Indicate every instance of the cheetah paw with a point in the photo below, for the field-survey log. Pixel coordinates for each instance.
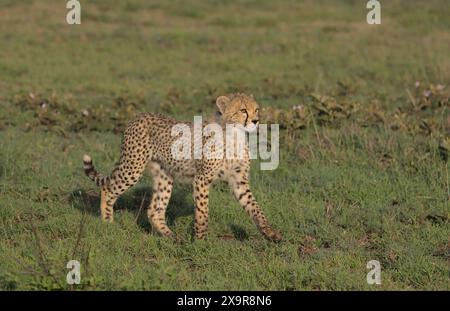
(272, 234)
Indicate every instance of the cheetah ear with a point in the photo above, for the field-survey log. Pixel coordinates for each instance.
(251, 96)
(222, 102)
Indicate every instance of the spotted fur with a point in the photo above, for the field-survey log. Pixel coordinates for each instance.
(147, 145)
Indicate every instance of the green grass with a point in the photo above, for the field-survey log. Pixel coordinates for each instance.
(368, 180)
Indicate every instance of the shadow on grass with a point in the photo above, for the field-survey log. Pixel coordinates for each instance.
(137, 200)
(239, 232)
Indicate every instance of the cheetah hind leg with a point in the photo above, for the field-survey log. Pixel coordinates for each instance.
(123, 177)
(109, 196)
(132, 164)
(162, 190)
(106, 210)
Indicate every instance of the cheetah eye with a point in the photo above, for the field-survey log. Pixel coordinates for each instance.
(244, 111)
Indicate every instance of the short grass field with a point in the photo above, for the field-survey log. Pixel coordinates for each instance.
(364, 142)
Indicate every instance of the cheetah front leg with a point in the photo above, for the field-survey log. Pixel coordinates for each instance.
(242, 192)
(201, 197)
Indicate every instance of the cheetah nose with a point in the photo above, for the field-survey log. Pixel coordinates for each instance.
(255, 122)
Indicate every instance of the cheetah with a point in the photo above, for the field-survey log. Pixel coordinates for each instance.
(146, 145)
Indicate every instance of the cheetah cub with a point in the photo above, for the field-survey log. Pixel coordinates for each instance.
(147, 144)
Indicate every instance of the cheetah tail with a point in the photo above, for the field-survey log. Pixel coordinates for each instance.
(90, 171)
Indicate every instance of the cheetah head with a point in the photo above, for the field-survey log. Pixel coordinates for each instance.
(239, 109)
